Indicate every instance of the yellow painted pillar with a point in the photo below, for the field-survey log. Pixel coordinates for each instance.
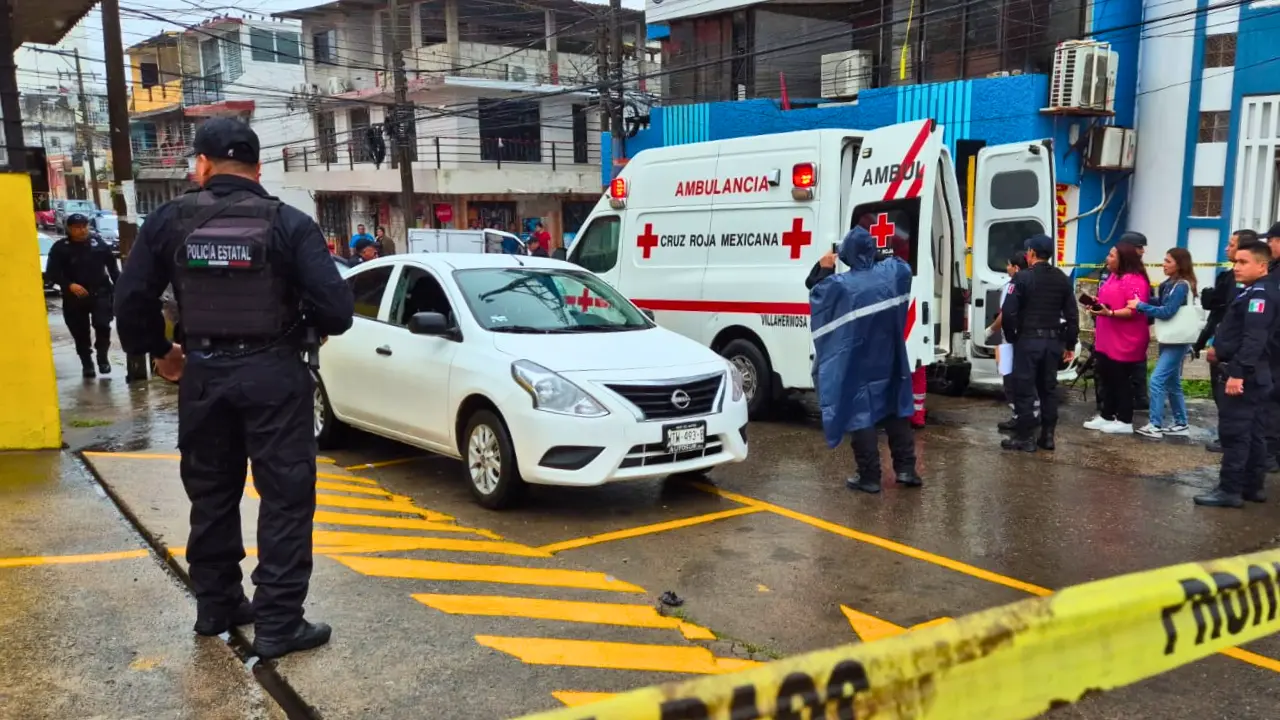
(28, 387)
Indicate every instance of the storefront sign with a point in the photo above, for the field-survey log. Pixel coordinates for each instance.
(444, 212)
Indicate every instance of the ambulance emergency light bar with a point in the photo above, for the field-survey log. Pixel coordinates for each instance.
(618, 194)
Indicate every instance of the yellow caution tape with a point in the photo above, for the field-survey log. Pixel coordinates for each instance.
(1007, 663)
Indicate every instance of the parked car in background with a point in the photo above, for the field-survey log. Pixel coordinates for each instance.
(46, 218)
(46, 244)
(67, 207)
(528, 370)
(107, 225)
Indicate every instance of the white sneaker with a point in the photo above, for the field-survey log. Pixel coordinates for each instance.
(1115, 427)
(1096, 423)
(1177, 429)
(1151, 431)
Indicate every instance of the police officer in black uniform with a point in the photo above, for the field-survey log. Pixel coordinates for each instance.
(84, 268)
(254, 284)
(1216, 300)
(1042, 322)
(1241, 346)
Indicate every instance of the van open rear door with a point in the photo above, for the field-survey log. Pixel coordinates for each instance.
(1013, 199)
(892, 194)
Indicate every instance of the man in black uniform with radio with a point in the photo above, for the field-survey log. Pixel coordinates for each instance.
(256, 288)
(1042, 322)
(83, 266)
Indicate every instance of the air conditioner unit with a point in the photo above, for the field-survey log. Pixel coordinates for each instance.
(1111, 148)
(338, 85)
(520, 73)
(845, 74)
(1084, 77)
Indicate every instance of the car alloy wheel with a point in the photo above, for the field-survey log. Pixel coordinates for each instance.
(484, 459)
(318, 411)
(748, 370)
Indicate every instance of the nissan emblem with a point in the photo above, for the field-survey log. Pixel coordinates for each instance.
(680, 399)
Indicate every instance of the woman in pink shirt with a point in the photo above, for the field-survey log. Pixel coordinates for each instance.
(1121, 338)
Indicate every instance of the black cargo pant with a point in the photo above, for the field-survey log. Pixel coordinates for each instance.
(231, 412)
(1271, 418)
(1036, 359)
(82, 313)
(902, 447)
(1242, 434)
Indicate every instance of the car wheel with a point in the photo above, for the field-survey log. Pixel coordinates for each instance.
(757, 374)
(490, 460)
(328, 429)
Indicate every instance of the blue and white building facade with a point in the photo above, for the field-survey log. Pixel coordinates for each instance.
(1209, 124)
(1199, 82)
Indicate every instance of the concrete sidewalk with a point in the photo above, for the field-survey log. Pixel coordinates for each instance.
(94, 625)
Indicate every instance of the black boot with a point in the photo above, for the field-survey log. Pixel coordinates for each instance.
(1023, 443)
(307, 636)
(104, 365)
(1046, 438)
(910, 479)
(1214, 447)
(86, 367)
(1257, 496)
(1008, 425)
(1273, 465)
(1219, 498)
(216, 623)
(867, 486)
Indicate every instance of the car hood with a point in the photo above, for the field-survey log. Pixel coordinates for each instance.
(631, 350)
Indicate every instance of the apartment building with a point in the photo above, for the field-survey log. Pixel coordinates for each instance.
(225, 67)
(506, 126)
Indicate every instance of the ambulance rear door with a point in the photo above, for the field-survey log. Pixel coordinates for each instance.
(1013, 199)
(891, 193)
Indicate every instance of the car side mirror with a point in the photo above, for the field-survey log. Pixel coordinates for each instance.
(648, 313)
(430, 323)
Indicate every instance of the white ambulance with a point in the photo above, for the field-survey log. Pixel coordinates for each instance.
(716, 240)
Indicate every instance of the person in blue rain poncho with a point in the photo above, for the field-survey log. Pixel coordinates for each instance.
(862, 373)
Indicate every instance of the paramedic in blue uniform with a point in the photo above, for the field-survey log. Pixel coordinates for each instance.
(862, 371)
(1040, 318)
(1216, 300)
(1241, 345)
(253, 280)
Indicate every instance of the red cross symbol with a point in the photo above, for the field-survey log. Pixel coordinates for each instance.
(797, 237)
(585, 301)
(648, 241)
(883, 230)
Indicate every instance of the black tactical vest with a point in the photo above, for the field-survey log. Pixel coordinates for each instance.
(226, 286)
(1042, 297)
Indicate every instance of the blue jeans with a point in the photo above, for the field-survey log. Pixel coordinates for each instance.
(1166, 381)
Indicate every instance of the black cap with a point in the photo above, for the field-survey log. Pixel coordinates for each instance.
(77, 219)
(1274, 232)
(227, 139)
(1041, 245)
(1135, 239)
(363, 243)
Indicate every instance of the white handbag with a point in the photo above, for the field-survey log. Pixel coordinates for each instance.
(1185, 325)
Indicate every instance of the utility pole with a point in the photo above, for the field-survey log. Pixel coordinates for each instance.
(616, 89)
(403, 115)
(121, 160)
(86, 134)
(10, 107)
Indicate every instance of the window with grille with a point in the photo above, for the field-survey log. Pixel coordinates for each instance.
(1206, 202)
(1214, 126)
(1220, 50)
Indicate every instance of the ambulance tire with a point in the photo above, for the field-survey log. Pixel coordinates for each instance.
(754, 365)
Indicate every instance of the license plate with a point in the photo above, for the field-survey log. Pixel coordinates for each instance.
(686, 437)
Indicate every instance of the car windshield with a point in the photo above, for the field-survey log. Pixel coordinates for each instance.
(46, 243)
(80, 206)
(542, 300)
(109, 224)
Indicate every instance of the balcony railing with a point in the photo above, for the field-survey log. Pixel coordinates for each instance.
(437, 153)
(167, 156)
(497, 62)
(204, 90)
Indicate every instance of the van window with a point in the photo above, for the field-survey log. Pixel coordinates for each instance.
(890, 219)
(1015, 190)
(1008, 237)
(596, 248)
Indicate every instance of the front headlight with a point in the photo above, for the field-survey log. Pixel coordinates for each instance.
(553, 393)
(735, 379)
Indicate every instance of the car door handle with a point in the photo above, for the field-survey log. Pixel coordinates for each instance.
(384, 350)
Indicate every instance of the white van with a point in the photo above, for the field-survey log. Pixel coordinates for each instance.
(716, 239)
(463, 241)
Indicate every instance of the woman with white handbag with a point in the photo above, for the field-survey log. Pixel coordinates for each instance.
(1177, 325)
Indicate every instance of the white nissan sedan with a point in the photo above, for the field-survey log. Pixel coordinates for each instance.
(529, 370)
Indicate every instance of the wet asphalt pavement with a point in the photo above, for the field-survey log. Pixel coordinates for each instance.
(770, 557)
